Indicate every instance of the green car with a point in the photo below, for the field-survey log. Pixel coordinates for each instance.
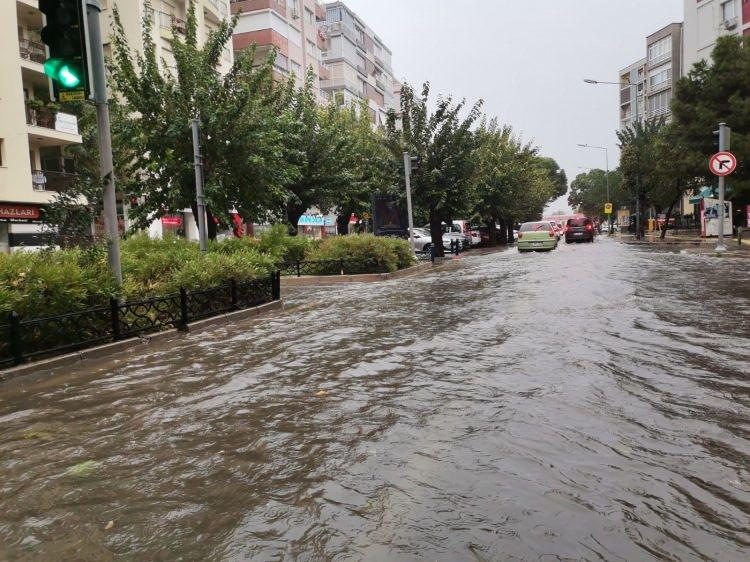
(536, 236)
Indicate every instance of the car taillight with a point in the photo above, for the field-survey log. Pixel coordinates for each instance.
(520, 235)
(589, 227)
(551, 233)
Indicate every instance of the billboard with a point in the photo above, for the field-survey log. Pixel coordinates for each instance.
(710, 217)
(387, 217)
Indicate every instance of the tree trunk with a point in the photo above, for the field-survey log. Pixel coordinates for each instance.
(666, 221)
(436, 232)
(491, 232)
(511, 237)
(212, 229)
(293, 213)
(503, 232)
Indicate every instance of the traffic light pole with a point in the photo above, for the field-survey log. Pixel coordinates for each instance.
(407, 175)
(93, 12)
(723, 146)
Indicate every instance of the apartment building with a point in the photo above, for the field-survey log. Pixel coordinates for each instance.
(290, 27)
(360, 64)
(707, 20)
(33, 132)
(167, 17)
(632, 92)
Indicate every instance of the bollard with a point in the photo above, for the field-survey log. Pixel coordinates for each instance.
(15, 337)
(234, 294)
(114, 308)
(184, 319)
(739, 236)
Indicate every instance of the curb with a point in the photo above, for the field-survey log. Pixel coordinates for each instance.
(323, 280)
(109, 349)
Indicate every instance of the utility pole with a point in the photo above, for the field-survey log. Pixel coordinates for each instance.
(200, 197)
(724, 145)
(638, 176)
(407, 175)
(109, 199)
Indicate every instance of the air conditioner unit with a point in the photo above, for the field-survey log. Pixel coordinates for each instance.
(731, 23)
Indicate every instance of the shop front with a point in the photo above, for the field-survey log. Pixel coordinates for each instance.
(317, 226)
(20, 226)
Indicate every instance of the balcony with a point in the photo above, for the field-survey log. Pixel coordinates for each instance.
(167, 22)
(47, 180)
(665, 85)
(656, 61)
(324, 72)
(320, 12)
(219, 7)
(653, 113)
(50, 128)
(32, 51)
(247, 6)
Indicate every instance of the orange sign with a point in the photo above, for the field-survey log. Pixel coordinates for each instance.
(19, 212)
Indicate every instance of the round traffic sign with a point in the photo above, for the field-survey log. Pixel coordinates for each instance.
(723, 163)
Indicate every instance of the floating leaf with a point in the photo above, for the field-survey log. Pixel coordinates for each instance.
(109, 525)
(82, 469)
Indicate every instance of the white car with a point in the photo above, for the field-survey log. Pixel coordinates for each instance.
(422, 240)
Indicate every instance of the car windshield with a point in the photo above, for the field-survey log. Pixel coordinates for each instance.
(535, 227)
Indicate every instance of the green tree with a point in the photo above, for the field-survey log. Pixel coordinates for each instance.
(340, 159)
(589, 191)
(713, 92)
(442, 185)
(246, 164)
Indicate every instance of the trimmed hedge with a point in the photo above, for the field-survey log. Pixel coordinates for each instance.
(53, 282)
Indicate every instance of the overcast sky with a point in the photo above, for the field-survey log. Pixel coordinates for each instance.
(527, 60)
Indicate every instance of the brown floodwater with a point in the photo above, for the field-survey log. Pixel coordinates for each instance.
(589, 404)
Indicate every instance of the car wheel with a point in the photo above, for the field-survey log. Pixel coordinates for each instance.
(427, 248)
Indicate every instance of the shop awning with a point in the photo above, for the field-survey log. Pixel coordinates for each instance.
(705, 193)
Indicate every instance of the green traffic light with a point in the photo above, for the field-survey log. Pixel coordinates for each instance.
(63, 73)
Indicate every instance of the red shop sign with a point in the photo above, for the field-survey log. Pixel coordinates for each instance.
(19, 212)
(171, 221)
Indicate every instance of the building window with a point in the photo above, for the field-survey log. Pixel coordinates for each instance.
(312, 49)
(333, 15)
(659, 104)
(727, 11)
(660, 50)
(297, 69)
(310, 17)
(660, 76)
(2, 152)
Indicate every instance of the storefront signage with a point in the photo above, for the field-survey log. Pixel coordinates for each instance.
(315, 220)
(171, 221)
(21, 213)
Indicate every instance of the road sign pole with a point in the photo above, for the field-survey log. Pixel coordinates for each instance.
(407, 176)
(723, 146)
(109, 199)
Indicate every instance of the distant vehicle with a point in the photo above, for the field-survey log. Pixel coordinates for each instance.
(422, 240)
(454, 233)
(580, 229)
(536, 236)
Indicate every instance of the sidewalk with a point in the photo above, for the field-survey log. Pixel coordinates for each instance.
(693, 244)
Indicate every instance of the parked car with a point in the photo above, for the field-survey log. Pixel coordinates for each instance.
(422, 240)
(454, 233)
(536, 236)
(579, 229)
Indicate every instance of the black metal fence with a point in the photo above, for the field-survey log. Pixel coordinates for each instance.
(23, 339)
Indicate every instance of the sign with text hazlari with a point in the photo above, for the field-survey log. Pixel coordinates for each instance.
(723, 164)
(608, 208)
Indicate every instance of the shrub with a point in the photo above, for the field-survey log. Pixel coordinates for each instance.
(48, 283)
(365, 253)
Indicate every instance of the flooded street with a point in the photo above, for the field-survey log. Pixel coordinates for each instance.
(589, 404)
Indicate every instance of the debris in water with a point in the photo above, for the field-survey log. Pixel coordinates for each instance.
(109, 525)
(82, 469)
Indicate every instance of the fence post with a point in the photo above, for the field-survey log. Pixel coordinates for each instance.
(15, 338)
(299, 274)
(233, 291)
(276, 286)
(341, 266)
(114, 308)
(183, 309)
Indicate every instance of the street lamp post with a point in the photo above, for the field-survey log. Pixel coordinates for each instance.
(634, 97)
(606, 157)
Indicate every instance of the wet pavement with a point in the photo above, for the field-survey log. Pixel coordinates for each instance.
(589, 404)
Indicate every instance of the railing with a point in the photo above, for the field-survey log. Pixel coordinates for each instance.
(658, 112)
(661, 85)
(168, 21)
(40, 117)
(30, 50)
(24, 339)
(47, 180)
(660, 59)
